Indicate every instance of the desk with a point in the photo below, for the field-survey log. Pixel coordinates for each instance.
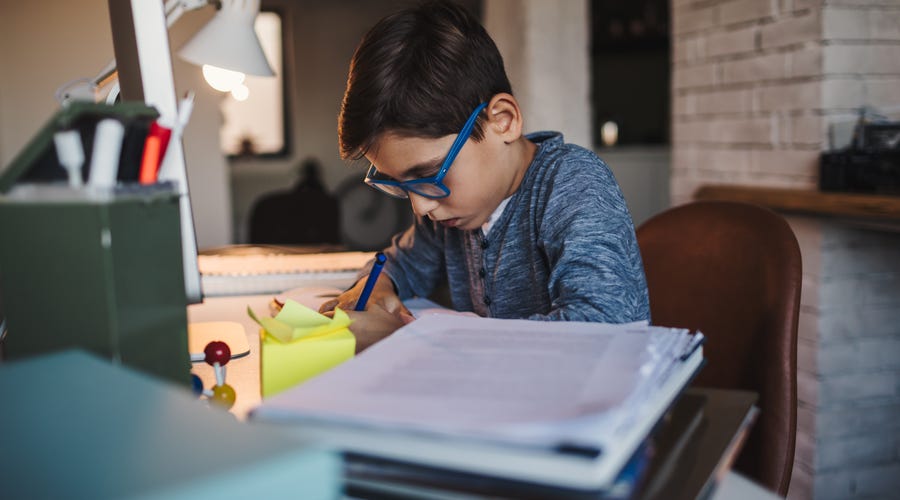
(242, 373)
(696, 451)
(696, 447)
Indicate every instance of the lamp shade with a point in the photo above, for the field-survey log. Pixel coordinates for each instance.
(228, 41)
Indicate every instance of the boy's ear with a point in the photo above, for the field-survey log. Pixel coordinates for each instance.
(505, 117)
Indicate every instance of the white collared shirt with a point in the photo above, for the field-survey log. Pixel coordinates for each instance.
(495, 215)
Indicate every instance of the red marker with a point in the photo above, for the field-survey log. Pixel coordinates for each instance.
(161, 131)
(154, 149)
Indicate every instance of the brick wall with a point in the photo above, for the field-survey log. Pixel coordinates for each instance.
(860, 62)
(759, 89)
(746, 93)
(848, 441)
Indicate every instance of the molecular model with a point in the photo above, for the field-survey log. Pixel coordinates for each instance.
(217, 355)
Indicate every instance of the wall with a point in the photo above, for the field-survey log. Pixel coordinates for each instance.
(45, 44)
(760, 88)
(745, 94)
(643, 175)
(545, 49)
(860, 62)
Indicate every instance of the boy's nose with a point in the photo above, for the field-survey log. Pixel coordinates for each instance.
(421, 205)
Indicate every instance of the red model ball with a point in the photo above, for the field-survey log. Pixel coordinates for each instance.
(217, 352)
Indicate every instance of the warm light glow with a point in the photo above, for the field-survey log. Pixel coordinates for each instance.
(241, 92)
(222, 80)
(609, 133)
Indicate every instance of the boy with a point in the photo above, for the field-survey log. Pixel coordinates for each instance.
(519, 226)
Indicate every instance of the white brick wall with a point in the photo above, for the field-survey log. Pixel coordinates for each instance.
(848, 357)
(695, 76)
(729, 43)
(796, 95)
(724, 102)
(701, 18)
(791, 29)
(870, 59)
(805, 61)
(745, 79)
(881, 92)
(746, 11)
(756, 68)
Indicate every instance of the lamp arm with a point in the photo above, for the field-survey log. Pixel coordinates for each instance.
(174, 9)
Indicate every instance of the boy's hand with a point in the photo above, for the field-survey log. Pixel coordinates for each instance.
(374, 324)
(382, 295)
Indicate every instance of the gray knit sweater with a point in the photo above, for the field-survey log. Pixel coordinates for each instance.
(563, 249)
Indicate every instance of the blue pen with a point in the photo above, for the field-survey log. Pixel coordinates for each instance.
(370, 282)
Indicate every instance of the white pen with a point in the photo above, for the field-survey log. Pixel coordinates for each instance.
(105, 155)
(184, 112)
(70, 153)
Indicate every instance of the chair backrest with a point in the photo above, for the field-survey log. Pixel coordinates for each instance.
(733, 271)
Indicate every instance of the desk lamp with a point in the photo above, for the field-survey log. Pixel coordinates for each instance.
(226, 47)
(140, 39)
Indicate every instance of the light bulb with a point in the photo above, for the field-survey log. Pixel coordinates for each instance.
(241, 92)
(609, 132)
(222, 79)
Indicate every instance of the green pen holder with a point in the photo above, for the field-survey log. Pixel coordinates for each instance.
(100, 270)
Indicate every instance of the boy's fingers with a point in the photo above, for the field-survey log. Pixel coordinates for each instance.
(328, 306)
(393, 305)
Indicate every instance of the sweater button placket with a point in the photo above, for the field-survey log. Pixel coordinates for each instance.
(483, 273)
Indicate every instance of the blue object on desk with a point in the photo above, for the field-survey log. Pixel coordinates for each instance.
(380, 259)
(76, 426)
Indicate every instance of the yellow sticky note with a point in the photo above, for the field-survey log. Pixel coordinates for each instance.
(284, 365)
(296, 314)
(339, 322)
(300, 343)
(278, 329)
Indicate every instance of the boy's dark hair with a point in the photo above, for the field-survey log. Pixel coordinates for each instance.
(420, 72)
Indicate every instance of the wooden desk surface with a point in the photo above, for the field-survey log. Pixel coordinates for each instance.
(242, 373)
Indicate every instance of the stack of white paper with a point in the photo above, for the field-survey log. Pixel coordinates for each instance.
(555, 402)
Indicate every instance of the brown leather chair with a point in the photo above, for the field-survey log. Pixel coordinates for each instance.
(733, 271)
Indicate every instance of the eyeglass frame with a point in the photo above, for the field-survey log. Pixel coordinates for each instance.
(436, 180)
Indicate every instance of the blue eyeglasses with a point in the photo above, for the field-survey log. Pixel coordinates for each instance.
(430, 187)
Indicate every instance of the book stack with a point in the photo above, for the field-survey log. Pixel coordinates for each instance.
(560, 405)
